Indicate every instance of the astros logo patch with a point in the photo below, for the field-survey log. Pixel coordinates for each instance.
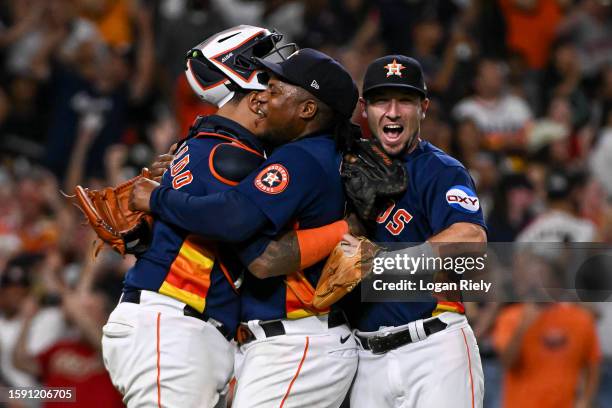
(463, 199)
(273, 179)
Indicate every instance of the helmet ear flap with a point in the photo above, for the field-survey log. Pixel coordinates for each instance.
(210, 85)
(203, 72)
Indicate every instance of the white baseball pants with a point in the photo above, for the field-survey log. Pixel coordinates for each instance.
(157, 357)
(310, 366)
(442, 371)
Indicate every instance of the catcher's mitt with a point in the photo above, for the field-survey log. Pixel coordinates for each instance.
(371, 178)
(108, 214)
(343, 272)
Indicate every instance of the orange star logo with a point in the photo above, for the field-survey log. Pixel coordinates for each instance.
(394, 68)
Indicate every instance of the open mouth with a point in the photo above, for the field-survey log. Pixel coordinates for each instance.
(392, 132)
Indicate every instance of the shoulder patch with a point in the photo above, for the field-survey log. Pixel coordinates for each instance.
(274, 179)
(463, 199)
(230, 163)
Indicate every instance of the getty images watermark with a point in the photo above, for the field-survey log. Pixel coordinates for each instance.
(493, 272)
(424, 267)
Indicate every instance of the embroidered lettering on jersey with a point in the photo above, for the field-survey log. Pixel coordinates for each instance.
(179, 166)
(398, 222)
(463, 199)
(180, 176)
(382, 217)
(274, 179)
(182, 180)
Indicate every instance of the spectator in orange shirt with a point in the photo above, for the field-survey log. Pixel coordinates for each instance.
(112, 18)
(545, 348)
(531, 26)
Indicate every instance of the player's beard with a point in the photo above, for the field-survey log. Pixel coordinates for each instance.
(274, 139)
(412, 141)
(410, 145)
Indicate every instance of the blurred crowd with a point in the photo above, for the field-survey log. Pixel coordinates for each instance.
(92, 90)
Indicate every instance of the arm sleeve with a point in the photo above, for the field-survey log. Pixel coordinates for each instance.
(227, 216)
(450, 198)
(315, 244)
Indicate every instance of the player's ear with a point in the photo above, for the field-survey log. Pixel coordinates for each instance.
(253, 101)
(362, 106)
(309, 109)
(424, 107)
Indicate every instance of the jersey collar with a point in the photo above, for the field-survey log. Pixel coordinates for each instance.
(419, 149)
(230, 128)
(327, 133)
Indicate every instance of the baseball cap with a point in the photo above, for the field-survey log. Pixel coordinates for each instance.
(320, 75)
(561, 182)
(515, 180)
(14, 275)
(395, 71)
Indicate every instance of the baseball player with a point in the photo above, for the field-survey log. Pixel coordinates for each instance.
(416, 354)
(167, 341)
(290, 354)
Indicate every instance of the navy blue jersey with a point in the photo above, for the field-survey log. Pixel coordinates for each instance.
(440, 193)
(183, 265)
(298, 186)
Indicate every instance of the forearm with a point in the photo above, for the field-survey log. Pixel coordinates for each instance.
(457, 239)
(145, 56)
(445, 74)
(21, 358)
(460, 232)
(91, 330)
(509, 355)
(228, 216)
(297, 250)
(281, 257)
(78, 156)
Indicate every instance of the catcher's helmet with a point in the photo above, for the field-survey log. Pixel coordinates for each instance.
(224, 63)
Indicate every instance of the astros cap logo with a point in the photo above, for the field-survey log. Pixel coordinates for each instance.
(394, 68)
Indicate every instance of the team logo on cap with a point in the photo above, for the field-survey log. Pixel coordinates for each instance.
(463, 199)
(274, 179)
(394, 68)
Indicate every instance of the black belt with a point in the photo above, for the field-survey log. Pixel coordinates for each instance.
(273, 328)
(133, 296)
(382, 344)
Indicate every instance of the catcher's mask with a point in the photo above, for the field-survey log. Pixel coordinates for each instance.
(224, 63)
